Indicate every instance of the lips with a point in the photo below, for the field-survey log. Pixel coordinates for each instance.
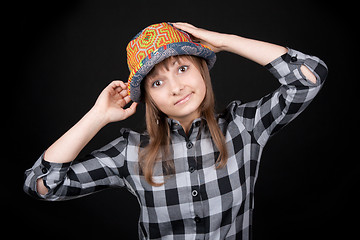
(184, 99)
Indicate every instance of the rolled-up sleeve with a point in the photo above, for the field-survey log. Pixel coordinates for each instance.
(52, 175)
(286, 69)
(268, 115)
(96, 171)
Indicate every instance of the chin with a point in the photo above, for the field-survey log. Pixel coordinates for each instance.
(186, 112)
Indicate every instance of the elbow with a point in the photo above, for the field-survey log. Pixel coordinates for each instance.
(41, 188)
(308, 74)
(314, 70)
(34, 186)
(320, 71)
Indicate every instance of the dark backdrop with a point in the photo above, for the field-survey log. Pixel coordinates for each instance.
(66, 52)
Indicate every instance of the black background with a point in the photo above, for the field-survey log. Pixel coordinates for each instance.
(65, 52)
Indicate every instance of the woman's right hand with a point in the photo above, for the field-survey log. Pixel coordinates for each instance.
(110, 105)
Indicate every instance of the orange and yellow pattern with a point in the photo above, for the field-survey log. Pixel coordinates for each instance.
(151, 39)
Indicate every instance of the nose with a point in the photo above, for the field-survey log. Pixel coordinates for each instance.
(176, 86)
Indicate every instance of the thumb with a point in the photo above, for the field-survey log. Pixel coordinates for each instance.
(130, 110)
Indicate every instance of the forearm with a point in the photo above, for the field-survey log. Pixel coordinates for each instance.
(68, 146)
(109, 107)
(257, 51)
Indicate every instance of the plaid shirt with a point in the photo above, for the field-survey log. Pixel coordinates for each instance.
(198, 201)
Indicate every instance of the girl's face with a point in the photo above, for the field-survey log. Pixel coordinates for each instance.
(177, 88)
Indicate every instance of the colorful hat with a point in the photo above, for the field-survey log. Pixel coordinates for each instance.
(154, 44)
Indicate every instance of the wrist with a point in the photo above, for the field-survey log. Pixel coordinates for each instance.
(98, 117)
(222, 42)
(228, 42)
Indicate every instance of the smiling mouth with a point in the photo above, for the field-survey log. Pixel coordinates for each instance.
(184, 100)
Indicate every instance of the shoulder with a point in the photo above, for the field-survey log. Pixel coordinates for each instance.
(133, 138)
(127, 139)
(229, 113)
(242, 114)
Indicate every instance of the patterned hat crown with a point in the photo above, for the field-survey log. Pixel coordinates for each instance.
(154, 44)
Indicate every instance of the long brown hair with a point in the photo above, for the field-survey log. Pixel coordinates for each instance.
(158, 128)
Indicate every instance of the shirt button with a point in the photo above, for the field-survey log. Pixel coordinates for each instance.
(191, 169)
(197, 219)
(44, 170)
(194, 193)
(293, 59)
(189, 145)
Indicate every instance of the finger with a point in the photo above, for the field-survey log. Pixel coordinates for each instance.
(126, 100)
(194, 32)
(123, 85)
(133, 106)
(117, 84)
(123, 93)
(190, 28)
(131, 110)
(182, 25)
(122, 101)
(116, 87)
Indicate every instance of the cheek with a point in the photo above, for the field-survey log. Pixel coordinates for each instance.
(160, 100)
(201, 87)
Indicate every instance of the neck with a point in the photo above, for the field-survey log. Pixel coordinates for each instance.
(186, 126)
(186, 121)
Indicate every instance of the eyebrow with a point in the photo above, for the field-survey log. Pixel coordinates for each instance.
(154, 71)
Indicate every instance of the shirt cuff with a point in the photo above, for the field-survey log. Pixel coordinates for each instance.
(51, 173)
(286, 68)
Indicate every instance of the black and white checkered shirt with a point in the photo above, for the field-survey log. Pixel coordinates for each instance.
(198, 201)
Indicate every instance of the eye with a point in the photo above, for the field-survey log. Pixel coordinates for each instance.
(183, 69)
(157, 83)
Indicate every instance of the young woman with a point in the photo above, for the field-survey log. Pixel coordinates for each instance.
(193, 172)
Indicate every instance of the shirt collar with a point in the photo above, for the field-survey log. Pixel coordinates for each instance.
(175, 124)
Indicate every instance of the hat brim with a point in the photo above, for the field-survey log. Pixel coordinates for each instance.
(172, 49)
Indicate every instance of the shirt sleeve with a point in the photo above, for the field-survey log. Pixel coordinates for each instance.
(101, 169)
(268, 115)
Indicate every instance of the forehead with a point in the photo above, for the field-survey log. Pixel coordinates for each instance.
(167, 64)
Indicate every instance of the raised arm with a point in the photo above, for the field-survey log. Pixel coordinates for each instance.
(109, 107)
(257, 51)
(301, 77)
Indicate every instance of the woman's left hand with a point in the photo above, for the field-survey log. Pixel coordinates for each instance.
(214, 40)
